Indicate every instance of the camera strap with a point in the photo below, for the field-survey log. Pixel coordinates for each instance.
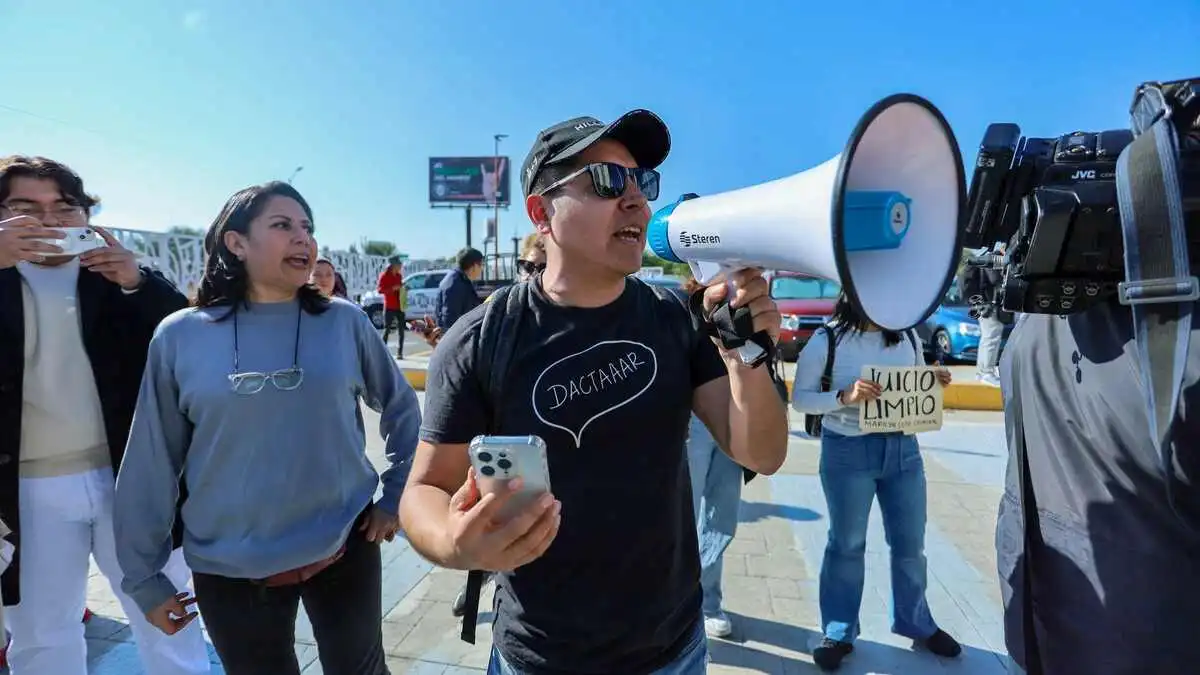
(1159, 288)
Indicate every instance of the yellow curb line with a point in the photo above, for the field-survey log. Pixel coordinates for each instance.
(957, 396)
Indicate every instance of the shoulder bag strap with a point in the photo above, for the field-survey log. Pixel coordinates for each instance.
(1159, 286)
(1031, 528)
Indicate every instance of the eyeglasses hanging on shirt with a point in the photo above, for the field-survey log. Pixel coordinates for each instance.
(250, 383)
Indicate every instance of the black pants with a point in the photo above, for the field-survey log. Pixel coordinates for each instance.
(253, 627)
(390, 317)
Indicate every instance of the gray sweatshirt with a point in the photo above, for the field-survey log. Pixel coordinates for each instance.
(275, 479)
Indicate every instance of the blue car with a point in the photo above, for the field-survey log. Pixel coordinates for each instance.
(951, 330)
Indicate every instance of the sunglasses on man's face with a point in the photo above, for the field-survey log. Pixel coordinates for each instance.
(609, 180)
(529, 267)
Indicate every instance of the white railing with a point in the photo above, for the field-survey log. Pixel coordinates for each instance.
(180, 257)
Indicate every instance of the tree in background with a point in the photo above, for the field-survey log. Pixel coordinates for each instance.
(669, 268)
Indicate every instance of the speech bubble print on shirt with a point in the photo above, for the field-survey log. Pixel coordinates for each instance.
(579, 389)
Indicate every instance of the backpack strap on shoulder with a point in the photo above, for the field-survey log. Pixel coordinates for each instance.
(494, 351)
(685, 333)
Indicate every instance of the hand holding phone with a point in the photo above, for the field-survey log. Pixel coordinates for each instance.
(504, 515)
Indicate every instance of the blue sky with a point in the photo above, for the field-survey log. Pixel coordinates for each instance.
(167, 107)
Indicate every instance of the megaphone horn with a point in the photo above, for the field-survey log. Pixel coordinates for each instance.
(884, 218)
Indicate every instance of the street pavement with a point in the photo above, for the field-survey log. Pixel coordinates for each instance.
(771, 572)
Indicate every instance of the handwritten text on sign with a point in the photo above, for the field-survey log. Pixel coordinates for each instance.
(911, 400)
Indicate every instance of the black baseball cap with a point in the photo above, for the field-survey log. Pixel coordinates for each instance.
(641, 131)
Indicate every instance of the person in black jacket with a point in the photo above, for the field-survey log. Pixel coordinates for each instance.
(74, 331)
(456, 294)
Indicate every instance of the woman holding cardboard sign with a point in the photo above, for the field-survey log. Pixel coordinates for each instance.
(857, 465)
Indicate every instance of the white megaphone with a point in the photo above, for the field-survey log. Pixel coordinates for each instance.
(884, 219)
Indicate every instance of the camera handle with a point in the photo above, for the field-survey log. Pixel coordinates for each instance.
(1160, 287)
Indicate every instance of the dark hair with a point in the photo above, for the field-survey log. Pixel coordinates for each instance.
(468, 257)
(69, 183)
(225, 281)
(553, 173)
(849, 319)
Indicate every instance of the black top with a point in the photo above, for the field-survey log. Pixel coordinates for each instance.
(116, 329)
(1116, 579)
(456, 296)
(610, 391)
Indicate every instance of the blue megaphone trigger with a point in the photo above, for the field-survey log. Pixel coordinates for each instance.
(875, 220)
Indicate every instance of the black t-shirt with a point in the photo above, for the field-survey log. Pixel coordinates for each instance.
(610, 391)
(1116, 578)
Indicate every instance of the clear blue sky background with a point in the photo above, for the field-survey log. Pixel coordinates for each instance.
(167, 107)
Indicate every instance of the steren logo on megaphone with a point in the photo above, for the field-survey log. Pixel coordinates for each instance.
(689, 239)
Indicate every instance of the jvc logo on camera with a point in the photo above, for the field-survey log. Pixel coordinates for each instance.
(689, 239)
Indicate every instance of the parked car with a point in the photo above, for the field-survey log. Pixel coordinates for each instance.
(372, 304)
(805, 303)
(951, 330)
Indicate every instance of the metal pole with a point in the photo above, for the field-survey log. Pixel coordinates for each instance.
(496, 201)
(468, 225)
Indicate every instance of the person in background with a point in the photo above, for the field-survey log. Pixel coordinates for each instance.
(531, 261)
(74, 331)
(325, 277)
(456, 293)
(395, 299)
(716, 498)
(253, 396)
(984, 285)
(858, 466)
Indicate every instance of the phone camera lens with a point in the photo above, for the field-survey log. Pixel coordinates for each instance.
(504, 464)
(485, 457)
(488, 471)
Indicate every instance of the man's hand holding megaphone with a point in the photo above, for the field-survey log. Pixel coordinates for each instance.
(745, 288)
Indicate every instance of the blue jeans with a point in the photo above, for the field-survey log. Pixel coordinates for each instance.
(716, 496)
(693, 660)
(854, 470)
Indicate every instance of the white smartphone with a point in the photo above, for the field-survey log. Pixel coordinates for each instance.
(499, 459)
(77, 240)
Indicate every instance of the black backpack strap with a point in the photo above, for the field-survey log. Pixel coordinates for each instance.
(497, 342)
(812, 423)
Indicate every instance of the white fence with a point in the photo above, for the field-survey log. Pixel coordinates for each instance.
(180, 257)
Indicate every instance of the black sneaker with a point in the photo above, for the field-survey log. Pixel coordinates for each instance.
(942, 644)
(829, 654)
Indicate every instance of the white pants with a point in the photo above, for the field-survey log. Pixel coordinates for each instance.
(64, 521)
(991, 334)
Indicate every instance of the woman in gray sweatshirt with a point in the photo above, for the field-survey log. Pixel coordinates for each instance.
(252, 397)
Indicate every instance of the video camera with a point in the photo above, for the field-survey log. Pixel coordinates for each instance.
(1054, 201)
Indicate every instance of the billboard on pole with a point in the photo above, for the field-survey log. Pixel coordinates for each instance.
(469, 180)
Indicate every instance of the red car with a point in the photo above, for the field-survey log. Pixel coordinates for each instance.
(806, 303)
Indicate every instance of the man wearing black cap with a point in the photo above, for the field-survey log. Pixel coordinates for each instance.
(607, 372)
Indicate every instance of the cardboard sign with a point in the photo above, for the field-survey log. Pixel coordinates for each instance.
(911, 400)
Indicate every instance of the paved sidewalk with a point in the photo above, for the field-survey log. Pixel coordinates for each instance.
(770, 578)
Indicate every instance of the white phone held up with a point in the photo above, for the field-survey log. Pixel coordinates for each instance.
(77, 240)
(499, 459)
